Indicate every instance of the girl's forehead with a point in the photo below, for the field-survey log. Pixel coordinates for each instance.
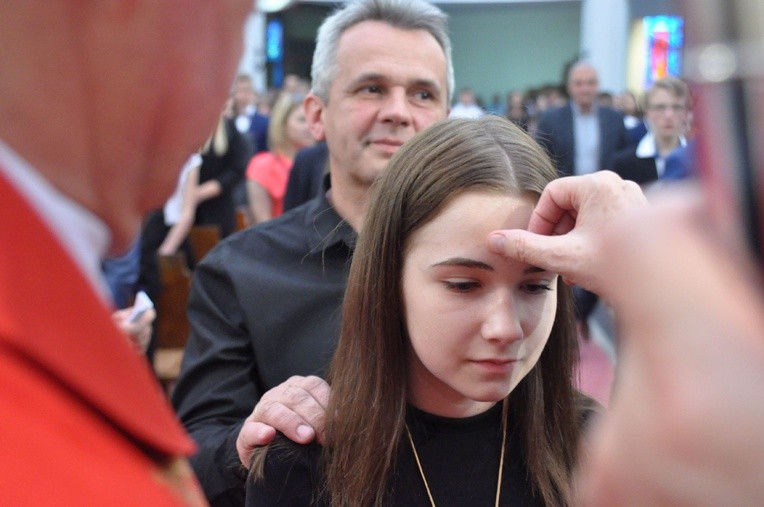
(465, 222)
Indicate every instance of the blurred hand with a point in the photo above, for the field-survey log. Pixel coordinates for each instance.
(685, 423)
(138, 332)
(296, 408)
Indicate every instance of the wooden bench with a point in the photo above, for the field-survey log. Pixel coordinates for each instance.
(172, 322)
(202, 239)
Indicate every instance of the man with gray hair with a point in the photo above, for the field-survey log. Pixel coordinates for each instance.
(266, 303)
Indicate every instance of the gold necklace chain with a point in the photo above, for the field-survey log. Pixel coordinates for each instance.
(505, 404)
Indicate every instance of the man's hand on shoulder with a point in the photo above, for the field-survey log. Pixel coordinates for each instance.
(296, 408)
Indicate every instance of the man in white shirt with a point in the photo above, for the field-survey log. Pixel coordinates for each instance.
(467, 106)
(582, 137)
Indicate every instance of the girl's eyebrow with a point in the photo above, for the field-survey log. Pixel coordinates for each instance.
(472, 263)
(464, 262)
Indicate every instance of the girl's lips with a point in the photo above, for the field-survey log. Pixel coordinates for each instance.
(496, 365)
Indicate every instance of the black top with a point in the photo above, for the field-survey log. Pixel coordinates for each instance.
(307, 175)
(629, 166)
(228, 170)
(460, 459)
(264, 305)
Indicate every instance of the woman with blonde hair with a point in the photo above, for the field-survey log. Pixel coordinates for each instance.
(452, 379)
(268, 172)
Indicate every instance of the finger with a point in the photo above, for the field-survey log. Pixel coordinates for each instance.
(143, 339)
(120, 316)
(253, 434)
(564, 225)
(285, 419)
(317, 387)
(296, 407)
(560, 199)
(148, 317)
(547, 252)
(319, 391)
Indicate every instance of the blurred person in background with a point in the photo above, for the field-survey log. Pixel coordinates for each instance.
(466, 106)
(633, 120)
(268, 173)
(224, 162)
(581, 136)
(667, 105)
(248, 120)
(517, 112)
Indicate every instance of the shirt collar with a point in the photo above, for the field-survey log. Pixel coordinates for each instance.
(647, 147)
(326, 226)
(84, 236)
(577, 110)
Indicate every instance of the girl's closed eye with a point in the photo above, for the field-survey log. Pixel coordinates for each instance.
(537, 287)
(461, 285)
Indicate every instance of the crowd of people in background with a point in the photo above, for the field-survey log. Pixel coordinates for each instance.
(450, 353)
(243, 174)
(247, 160)
(525, 107)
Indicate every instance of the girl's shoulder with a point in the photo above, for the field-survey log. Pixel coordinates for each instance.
(287, 474)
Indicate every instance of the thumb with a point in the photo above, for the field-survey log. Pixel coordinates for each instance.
(253, 434)
(551, 253)
(526, 247)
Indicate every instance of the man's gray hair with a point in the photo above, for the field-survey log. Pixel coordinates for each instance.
(403, 14)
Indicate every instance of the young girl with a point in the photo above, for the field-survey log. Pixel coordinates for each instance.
(268, 172)
(451, 383)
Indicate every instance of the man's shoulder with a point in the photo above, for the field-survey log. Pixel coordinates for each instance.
(557, 111)
(257, 119)
(554, 117)
(317, 150)
(626, 155)
(611, 114)
(291, 473)
(266, 241)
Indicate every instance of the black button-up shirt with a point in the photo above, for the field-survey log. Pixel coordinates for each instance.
(265, 304)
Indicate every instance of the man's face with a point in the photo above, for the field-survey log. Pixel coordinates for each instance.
(390, 84)
(243, 95)
(583, 86)
(467, 97)
(666, 114)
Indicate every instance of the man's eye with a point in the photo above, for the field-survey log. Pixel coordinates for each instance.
(371, 89)
(424, 95)
(461, 285)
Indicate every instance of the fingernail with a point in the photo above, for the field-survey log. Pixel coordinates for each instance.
(497, 241)
(305, 432)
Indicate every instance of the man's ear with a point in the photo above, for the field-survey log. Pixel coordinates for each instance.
(314, 114)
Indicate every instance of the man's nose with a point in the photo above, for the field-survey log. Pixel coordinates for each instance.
(396, 107)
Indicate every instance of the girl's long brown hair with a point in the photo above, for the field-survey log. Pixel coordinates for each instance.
(366, 415)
